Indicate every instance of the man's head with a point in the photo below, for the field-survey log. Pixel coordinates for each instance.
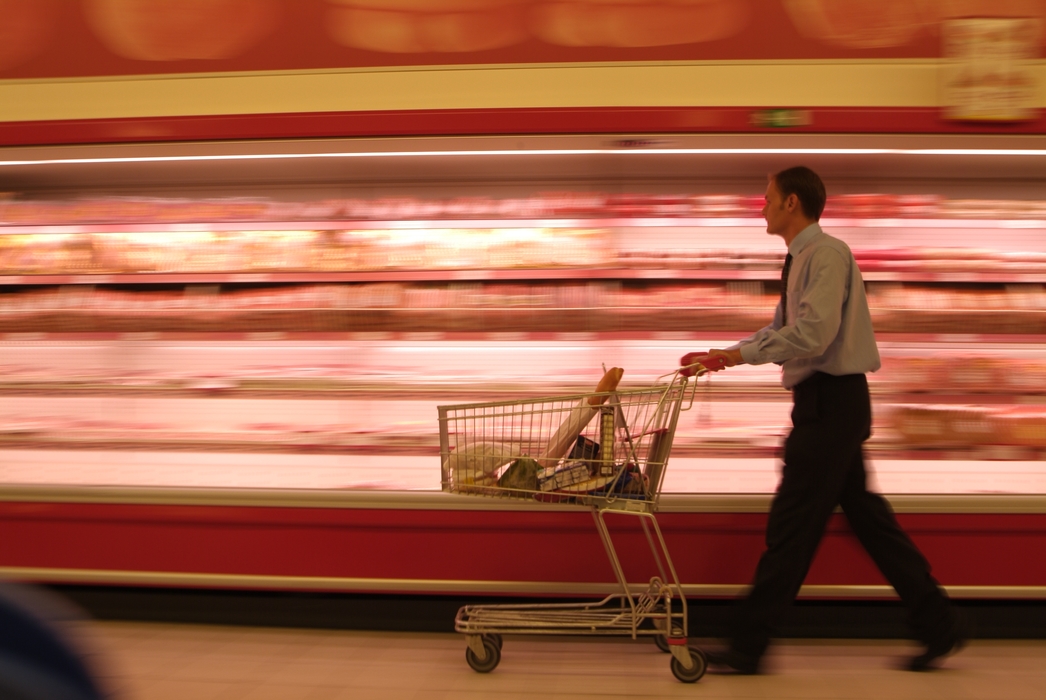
(795, 198)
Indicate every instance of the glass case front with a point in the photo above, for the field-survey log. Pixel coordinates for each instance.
(289, 315)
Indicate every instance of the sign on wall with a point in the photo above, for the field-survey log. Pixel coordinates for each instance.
(988, 73)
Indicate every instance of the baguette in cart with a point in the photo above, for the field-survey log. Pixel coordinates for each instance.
(606, 452)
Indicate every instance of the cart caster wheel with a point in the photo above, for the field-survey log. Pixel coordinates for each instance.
(492, 659)
(662, 641)
(496, 638)
(694, 673)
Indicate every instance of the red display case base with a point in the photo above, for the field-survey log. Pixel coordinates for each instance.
(437, 544)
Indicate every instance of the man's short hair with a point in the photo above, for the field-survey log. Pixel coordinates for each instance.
(806, 186)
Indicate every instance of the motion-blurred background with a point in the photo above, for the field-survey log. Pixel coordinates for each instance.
(248, 246)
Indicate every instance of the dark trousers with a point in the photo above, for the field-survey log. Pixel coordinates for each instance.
(823, 468)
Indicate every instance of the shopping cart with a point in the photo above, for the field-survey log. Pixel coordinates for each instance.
(603, 451)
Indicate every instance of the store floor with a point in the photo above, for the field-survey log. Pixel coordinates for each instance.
(148, 661)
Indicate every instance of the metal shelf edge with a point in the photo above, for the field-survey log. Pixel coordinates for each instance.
(437, 500)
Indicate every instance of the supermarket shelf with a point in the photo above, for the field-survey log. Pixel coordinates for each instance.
(603, 320)
(973, 340)
(995, 277)
(433, 499)
(508, 223)
(376, 444)
(333, 389)
(480, 275)
(709, 473)
(566, 273)
(317, 444)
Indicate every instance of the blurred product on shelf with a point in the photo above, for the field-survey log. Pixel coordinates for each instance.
(965, 373)
(898, 309)
(566, 306)
(901, 376)
(78, 433)
(558, 205)
(302, 251)
(491, 249)
(944, 426)
(544, 232)
(908, 431)
(1006, 428)
(608, 267)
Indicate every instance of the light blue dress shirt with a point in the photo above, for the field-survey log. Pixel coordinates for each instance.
(828, 327)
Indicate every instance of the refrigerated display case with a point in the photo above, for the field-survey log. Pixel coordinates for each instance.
(270, 324)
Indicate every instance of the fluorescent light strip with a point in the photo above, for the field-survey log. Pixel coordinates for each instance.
(538, 152)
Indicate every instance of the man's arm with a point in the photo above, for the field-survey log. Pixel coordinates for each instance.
(816, 323)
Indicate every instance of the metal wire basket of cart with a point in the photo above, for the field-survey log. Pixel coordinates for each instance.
(605, 451)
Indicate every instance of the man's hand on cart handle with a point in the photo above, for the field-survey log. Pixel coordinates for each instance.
(713, 361)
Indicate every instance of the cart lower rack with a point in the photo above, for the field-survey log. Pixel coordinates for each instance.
(604, 451)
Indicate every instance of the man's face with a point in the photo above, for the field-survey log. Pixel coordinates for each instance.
(775, 211)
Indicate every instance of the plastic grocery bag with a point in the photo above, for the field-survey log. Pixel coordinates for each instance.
(477, 463)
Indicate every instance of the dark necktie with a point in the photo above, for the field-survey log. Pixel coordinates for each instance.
(784, 288)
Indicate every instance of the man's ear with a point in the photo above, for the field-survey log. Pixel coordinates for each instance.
(791, 202)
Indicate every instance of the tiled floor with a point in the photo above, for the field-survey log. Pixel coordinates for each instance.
(183, 662)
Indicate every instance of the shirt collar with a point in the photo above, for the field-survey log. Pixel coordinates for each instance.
(803, 239)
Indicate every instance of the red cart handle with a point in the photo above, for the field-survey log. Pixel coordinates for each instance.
(694, 362)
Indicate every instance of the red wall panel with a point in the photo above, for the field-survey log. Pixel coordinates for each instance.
(524, 121)
(482, 546)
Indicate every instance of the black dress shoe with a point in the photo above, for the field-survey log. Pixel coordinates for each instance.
(731, 662)
(954, 641)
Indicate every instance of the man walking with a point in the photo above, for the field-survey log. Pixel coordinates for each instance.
(822, 337)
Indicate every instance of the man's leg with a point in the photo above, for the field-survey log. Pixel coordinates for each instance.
(829, 428)
(897, 557)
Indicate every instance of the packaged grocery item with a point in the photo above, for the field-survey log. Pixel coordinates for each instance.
(863, 206)
(976, 374)
(949, 425)
(626, 482)
(721, 205)
(606, 440)
(551, 479)
(921, 425)
(522, 475)
(1025, 377)
(1025, 427)
(587, 451)
(919, 206)
(917, 374)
